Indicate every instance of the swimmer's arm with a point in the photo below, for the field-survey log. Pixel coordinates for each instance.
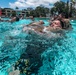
(56, 29)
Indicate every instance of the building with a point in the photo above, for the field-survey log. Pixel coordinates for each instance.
(20, 12)
(7, 12)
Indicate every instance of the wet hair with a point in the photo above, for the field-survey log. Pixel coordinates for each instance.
(41, 22)
(17, 18)
(62, 24)
(13, 15)
(62, 14)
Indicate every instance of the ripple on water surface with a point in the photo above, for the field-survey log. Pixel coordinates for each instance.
(58, 58)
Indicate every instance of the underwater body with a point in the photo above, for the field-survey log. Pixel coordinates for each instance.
(34, 54)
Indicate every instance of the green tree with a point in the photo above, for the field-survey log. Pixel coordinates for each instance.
(60, 6)
(40, 10)
(53, 10)
(13, 13)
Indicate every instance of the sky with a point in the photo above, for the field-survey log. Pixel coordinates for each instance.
(23, 4)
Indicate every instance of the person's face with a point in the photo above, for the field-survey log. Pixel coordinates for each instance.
(55, 23)
(60, 16)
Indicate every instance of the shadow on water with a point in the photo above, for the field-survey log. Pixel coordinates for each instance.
(31, 60)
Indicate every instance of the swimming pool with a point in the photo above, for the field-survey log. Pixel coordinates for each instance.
(53, 56)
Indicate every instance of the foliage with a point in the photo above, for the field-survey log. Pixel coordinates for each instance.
(16, 8)
(13, 14)
(27, 14)
(53, 10)
(39, 11)
(62, 7)
(59, 6)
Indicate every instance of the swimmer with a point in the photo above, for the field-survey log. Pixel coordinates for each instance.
(37, 26)
(36, 23)
(54, 27)
(13, 19)
(65, 22)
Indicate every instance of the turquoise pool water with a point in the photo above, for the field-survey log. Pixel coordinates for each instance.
(51, 56)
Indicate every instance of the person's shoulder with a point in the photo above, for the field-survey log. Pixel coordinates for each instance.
(66, 20)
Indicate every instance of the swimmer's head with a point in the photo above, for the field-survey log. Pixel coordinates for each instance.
(41, 22)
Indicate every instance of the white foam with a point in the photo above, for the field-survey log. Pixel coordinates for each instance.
(27, 28)
(45, 29)
(15, 32)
